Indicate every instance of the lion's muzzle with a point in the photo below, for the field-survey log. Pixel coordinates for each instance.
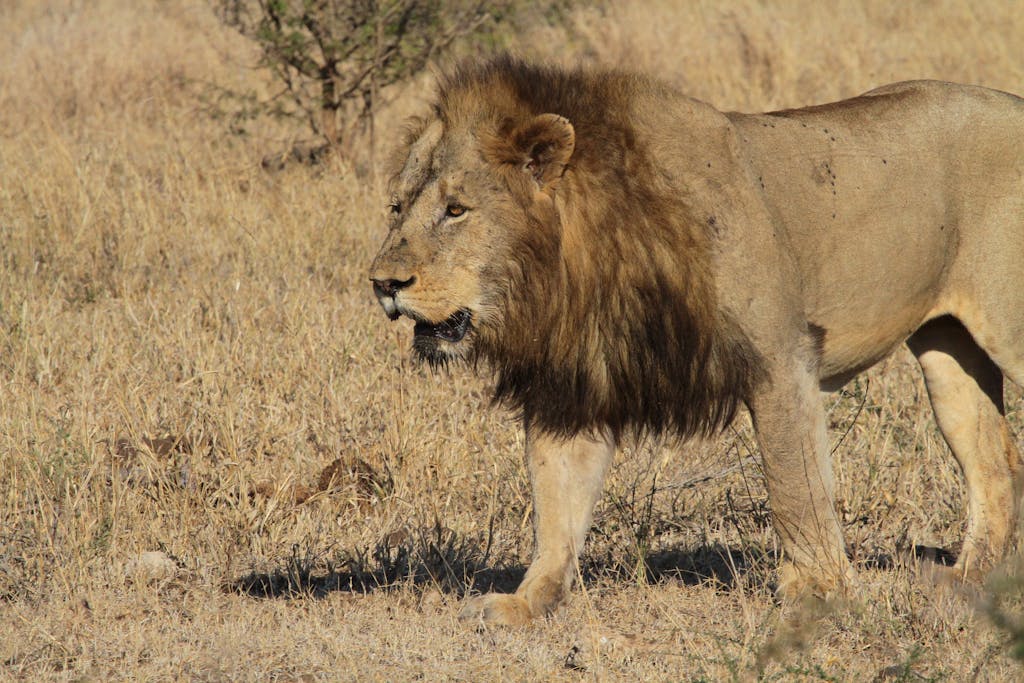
(386, 289)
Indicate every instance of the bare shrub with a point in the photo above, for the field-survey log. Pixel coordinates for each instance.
(331, 59)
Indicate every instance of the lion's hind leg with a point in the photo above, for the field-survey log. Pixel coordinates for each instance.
(966, 391)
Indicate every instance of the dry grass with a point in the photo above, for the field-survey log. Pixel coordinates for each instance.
(191, 366)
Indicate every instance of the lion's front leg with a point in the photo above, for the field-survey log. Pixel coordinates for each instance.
(567, 476)
(789, 419)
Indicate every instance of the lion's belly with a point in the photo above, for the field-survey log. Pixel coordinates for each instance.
(871, 284)
(848, 351)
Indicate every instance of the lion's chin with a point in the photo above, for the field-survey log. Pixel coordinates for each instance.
(437, 353)
(441, 343)
(453, 330)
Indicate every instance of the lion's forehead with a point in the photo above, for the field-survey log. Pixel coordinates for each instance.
(419, 161)
(447, 163)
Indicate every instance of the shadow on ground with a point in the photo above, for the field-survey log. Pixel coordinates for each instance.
(722, 566)
(458, 567)
(455, 565)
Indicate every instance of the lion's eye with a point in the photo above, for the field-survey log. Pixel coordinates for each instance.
(395, 207)
(454, 210)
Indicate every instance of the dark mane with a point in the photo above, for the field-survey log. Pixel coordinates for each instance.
(610, 314)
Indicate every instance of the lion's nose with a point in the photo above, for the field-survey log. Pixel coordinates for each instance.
(389, 287)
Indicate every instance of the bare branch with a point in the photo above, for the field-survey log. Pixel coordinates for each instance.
(334, 57)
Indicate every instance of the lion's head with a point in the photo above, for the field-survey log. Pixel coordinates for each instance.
(476, 187)
(530, 227)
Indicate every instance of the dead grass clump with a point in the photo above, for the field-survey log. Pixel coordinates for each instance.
(351, 480)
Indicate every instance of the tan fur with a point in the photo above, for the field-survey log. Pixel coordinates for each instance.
(630, 259)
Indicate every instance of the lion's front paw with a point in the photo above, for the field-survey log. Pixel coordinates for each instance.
(497, 609)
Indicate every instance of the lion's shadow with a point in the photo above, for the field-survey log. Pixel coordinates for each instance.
(468, 571)
(458, 569)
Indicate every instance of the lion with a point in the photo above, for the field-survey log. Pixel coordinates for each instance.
(630, 260)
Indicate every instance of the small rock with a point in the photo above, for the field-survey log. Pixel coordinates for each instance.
(152, 565)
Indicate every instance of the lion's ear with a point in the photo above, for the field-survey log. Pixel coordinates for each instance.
(545, 145)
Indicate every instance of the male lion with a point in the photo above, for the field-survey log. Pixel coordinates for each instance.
(632, 260)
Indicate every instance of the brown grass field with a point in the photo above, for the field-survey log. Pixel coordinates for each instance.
(218, 460)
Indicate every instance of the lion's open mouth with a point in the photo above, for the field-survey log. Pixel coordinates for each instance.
(451, 330)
